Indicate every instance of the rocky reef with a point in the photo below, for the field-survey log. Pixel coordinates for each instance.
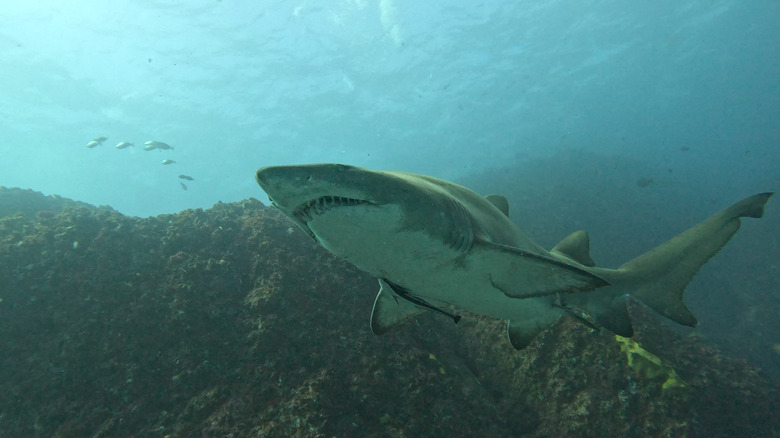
(231, 322)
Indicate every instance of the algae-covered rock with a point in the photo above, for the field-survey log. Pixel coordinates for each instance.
(231, 322)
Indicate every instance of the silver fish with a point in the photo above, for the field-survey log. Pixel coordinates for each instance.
(151, 144)
(93, 144)
(123, 145)
(168, 161)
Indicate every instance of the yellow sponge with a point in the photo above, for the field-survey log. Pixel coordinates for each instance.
(649, 365)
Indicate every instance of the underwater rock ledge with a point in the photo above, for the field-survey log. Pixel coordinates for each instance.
(232, 322)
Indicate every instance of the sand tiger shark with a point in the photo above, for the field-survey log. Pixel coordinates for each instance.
(437, 246)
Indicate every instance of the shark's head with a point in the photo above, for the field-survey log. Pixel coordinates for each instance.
(347, 208)
(303, 192)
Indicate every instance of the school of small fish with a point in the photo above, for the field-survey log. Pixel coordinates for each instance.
(148, 146)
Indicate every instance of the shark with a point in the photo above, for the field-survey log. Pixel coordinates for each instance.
(437, 246)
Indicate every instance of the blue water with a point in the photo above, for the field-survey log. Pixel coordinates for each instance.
(446, 88)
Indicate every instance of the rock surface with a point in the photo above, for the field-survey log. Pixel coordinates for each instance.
(230, 322)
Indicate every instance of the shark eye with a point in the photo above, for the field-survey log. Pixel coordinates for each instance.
(341, 167)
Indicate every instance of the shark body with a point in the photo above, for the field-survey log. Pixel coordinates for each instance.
(435, 245)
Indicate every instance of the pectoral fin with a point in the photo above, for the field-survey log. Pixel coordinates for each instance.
(390, 310)
(523, 274)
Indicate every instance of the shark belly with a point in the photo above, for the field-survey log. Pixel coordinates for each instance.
(435, 273)
(472, 290)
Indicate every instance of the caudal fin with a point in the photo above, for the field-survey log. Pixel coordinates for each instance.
(662, 273)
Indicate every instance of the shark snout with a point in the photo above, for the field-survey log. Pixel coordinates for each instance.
(294, 186)
(310, 175)
(289, 186)
(273, 178)
(263, 176)
(276, 175)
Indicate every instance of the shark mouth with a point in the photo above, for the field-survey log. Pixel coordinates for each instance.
(320, 205)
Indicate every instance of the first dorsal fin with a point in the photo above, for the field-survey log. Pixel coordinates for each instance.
(575, 246)
(500, 203)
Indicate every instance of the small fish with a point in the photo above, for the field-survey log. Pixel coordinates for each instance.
(187, 177)
(168, 161)
(123, 145)
(96, 142)
(183, 186)
(644, 182)
(151, 144)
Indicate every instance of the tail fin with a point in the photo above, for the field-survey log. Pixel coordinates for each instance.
(663, 272)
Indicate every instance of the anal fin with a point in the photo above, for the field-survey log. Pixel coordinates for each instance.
(607, 310)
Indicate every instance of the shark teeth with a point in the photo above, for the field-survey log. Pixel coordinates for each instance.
(323, 204)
